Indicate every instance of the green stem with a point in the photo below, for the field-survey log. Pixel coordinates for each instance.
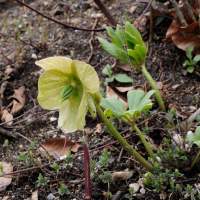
(148, 148)
(122, 141)
(194, 162)
(154, 87)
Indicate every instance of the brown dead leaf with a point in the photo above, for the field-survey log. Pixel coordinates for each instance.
(34, 195)
(7, 117)
(113, 92)
(8, 70)
(121, 65)
(183, 37)
(57, 145)
(4, 182)
(19, 100)
(163, 90)
(98, 128)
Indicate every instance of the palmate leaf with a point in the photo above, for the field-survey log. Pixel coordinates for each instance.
(113, 106)
(138, 102)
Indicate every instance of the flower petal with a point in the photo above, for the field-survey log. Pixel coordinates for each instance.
(60, 63)
(91, 106)
(80, 120)
(87, 75)
(50, 85)
(69, 112)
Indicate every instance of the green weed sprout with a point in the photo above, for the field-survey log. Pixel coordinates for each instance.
(196, 140)
(60, 72)
(192, 63)
(137, 102)
(130, 195)
(42, 181)
(106, 177)
(63, 190)
(136, 49)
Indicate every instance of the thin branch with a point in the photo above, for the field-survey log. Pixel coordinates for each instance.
(20, 115)
(143, 13)
(58, 22)
(106, 12)
(102, 61)
(179, 13)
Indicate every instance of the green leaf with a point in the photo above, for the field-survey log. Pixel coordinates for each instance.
(113, 50)
(186, 63)
(107, 70)
(197, 132)
(197, 143)
(138, 101)
(130, 38)
(116, 40)
(123, 78)
(196, 58)
(189, 51)
(119, 31)
(113, 106)
(134, 55)
(109, 80)
(133, 31)
(190, 69)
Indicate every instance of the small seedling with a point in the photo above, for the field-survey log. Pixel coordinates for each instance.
(42, 181)
(111, 195)
(122, 78)
(107, 177)
(63, 190)
(104, 159)
(56, 167)
(68, 160)
(190, 191)
(1, 168)
(192, 63)
(93, 172)
(130, 195)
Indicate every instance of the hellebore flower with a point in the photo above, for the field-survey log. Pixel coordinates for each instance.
(70, 86)
(136, 48)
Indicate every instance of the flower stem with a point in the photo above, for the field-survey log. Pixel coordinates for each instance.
(148, 148)
(194, 162)
(154, 87)
(122, 141)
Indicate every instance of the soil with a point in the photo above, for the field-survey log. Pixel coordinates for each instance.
(164, 62)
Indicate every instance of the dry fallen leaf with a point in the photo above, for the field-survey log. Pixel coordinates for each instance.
(4, 182)
(121, 65)
(57, 145)
(183, 37)
(34, 195)
(163, 90)
(113, 92)
(98, 128)
(19, 100)
(122, 175)
(7, 117)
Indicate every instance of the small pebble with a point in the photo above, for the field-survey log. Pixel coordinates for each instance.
(192, 108)
(51, 197)
(142, 190)
(141, 182)
(52, 119)
(34, 56)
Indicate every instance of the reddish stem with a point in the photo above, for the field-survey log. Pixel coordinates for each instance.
(87, 168)
(58, 22)
(57, 161)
